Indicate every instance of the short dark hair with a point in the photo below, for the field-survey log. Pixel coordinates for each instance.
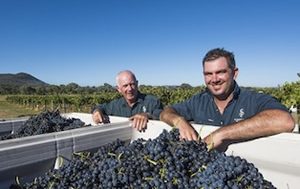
(217, 53)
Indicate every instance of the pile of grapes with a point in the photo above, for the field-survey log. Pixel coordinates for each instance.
(161, 163)
(45, 122)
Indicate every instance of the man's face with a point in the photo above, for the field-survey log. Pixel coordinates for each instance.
(219, 77)
(128, 87)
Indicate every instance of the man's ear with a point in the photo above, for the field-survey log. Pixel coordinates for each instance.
(235, 73)
(118, 89)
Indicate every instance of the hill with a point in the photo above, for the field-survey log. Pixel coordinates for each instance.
(20, 79)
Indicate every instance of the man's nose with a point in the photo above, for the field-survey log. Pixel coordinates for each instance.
(215, 78)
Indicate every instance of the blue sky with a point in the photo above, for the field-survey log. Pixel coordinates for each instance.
(162, 41)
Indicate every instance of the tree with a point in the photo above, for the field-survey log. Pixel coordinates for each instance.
(72, 88)
(28, 90)
(186, 86)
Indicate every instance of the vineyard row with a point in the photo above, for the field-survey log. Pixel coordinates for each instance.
(288, 94)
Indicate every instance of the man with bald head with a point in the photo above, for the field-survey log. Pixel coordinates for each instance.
(133, 104)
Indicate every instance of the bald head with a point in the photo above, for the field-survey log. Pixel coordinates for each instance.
(123, 76)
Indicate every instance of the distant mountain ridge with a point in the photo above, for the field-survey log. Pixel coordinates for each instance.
(20, 79)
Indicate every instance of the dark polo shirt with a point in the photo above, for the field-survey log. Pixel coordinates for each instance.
(145, 103)
(201, 108)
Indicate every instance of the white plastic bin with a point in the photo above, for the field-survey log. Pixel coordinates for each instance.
(29, 157)
(276, 157)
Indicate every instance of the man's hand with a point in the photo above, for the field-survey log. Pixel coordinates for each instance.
(215, 141)
(186, 130)
(139, 121)
(99, 117)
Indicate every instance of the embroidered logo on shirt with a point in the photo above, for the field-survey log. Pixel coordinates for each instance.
(242, 113)
(144, 109)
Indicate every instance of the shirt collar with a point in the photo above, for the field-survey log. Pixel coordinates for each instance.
(236, 90)
(140, 98)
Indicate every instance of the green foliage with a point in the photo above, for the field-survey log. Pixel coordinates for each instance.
(172, 95)
(67, 103)
(288, 94)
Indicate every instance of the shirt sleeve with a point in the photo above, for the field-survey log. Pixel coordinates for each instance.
(185, 108)
(102, 108)
(108, 108)
(266, 102)
(157, 109)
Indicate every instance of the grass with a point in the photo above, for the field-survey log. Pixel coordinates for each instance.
(9, 111)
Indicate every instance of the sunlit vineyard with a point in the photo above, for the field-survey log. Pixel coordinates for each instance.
(288, 94)
(63, 102)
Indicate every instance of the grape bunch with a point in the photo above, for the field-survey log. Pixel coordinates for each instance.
(45, 122)
(161, 163)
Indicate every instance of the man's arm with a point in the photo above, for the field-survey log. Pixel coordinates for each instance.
(171, 117)
(265, 123)
(99, 113)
